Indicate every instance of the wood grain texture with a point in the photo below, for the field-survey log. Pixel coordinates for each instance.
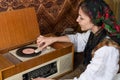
(18, 27)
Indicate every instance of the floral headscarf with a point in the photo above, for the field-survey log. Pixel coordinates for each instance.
(102, 15)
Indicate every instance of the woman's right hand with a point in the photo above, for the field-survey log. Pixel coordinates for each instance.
(43, 42)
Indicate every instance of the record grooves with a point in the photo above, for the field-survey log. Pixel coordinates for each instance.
(27, 52)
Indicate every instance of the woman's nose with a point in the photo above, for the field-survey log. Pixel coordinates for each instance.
(77, 20)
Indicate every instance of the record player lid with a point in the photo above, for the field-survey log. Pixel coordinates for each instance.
(18, 27)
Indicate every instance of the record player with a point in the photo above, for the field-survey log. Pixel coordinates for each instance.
(19, 29)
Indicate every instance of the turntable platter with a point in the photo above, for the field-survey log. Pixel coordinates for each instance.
(27, 51)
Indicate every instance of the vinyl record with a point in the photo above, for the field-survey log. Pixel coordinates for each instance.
(27, 51)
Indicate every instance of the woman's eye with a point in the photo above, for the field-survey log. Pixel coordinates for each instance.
(81, 18)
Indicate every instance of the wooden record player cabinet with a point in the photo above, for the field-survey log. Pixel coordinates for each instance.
(19, 28)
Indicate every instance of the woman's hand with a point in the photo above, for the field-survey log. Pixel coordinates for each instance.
(43, 42)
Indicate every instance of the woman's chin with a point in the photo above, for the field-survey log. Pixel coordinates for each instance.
(83, 29)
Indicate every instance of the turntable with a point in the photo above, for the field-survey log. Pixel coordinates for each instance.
(20, 28)
(30, 52)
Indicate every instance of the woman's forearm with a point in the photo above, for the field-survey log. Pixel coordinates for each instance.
(62, 39)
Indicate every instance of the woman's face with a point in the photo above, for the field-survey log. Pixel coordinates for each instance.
(84, 21)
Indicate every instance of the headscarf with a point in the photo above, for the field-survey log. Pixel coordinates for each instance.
(103, 16)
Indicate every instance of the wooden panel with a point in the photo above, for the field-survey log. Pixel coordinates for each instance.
(1, 76)
(18, 27)
(6, 64)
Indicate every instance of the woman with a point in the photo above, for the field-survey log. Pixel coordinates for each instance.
(100, 43)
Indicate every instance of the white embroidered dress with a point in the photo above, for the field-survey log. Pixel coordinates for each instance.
(103, 66)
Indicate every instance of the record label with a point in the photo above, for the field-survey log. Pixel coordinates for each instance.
(27, 51)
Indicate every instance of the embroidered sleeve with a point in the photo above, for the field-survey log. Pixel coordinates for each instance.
(79, 40)
(103, 66)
